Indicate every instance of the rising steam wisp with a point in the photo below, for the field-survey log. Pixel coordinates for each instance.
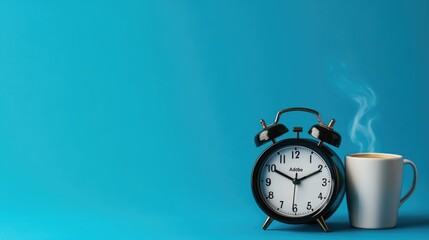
(360, 130)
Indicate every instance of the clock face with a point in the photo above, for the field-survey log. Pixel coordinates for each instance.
(295, 181)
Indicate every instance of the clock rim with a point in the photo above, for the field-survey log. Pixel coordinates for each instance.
(324, 153)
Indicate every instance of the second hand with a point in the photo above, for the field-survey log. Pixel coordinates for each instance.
(294, 190)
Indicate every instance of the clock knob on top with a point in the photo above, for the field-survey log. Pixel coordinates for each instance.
(270, 133)
(326, 133)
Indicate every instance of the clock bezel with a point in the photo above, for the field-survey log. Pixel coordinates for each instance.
(324, 153)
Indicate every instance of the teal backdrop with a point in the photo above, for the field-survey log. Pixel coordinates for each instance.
(135, 119)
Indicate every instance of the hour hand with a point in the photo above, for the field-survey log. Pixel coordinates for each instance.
(284, 175)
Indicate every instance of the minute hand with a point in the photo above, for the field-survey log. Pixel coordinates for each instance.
(309, 175)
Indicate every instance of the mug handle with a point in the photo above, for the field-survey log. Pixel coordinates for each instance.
(413, 186)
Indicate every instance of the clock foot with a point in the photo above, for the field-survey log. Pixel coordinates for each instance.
(267, 223)
(323, 224)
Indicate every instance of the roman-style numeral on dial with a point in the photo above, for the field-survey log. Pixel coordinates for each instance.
(282, 158)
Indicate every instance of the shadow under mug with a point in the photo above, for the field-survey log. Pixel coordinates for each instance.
(373, 188)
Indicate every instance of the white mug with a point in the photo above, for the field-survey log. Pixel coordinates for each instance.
(373, 188)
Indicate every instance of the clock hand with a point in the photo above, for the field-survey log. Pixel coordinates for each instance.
(294, 190)
(284, 175)
(309, 175)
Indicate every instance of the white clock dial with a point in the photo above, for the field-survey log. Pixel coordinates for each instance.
(295, 181)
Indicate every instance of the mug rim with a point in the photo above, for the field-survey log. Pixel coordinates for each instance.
(379, 156)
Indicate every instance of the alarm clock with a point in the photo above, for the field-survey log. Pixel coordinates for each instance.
(298, 180)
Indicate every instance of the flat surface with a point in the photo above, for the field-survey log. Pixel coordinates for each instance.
(113, 226)
(135, 119)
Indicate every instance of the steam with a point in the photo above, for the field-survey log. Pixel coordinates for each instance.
(360, 129)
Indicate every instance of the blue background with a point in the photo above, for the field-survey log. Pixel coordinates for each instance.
(136, 119)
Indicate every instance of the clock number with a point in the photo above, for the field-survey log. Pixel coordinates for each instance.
(295, 154)
(309, 206)
(271, 168)
(310, 158)
(268, 181)
(281, 204)
(270, 195)
(282, 158)
(324, 182)
(320, 196)
(320, 167)
(295, 208)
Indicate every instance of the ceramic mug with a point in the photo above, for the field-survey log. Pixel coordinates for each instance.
(373, 188)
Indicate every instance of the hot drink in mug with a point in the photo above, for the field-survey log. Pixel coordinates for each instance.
(373, 188)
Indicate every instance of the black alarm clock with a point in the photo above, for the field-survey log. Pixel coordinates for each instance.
(298, 180)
